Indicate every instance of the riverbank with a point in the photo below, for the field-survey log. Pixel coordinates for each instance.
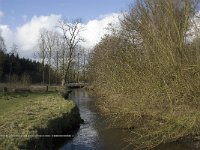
(26, 117)
(178, 130)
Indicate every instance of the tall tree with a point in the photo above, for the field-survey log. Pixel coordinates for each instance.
(42, 54)
(47, 46)
(57, 55)
(71, 35)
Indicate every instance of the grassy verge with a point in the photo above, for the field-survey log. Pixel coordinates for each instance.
(34, 114)
(34, 88)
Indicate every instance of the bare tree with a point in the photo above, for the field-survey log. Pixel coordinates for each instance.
(42, 52)
(50, 45)
(57, 55)
(51, 38)
(71, 36)
(47, 44)
(80, 63)
(62, 59)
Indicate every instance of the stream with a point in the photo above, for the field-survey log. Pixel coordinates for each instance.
(94, 134)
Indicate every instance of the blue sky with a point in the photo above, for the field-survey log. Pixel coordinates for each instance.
(21, 20)
(16, 12)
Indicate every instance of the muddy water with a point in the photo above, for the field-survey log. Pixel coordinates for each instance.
(94, 134)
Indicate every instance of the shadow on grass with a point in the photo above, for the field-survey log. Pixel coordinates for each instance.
(68, 125)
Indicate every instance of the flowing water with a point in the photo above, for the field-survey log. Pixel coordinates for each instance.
(94, 134)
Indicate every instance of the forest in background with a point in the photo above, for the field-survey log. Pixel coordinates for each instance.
(14, 69)
(60, 58)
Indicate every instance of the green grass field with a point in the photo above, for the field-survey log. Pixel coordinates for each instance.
(23, 114)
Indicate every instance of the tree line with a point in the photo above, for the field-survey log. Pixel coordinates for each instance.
(14, 69)
(60, 58)
(60, 48)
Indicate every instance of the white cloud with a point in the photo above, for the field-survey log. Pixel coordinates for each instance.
(1, 14)
(7, 34)
(194, 30)
(26, 35)
(24, 17)
(96, 29)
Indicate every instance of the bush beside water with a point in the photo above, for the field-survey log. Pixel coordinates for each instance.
(147, 73)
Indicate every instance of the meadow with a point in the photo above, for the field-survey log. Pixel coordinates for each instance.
(24, 116)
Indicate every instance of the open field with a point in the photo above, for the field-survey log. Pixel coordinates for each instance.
(22, 115)
(32, 88)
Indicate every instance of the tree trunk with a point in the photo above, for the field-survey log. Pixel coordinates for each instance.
(43, 71)
(57, 68)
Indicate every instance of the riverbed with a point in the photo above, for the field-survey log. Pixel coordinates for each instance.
(94, 134)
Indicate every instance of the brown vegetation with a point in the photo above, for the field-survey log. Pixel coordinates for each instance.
(148, 73)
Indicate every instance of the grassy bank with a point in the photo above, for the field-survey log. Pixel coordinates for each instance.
(22, 115)
(34, 88)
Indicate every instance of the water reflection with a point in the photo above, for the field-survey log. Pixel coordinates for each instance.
(93, 134)
(87, 137)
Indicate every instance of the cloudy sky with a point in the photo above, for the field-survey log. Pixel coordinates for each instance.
(21, 20)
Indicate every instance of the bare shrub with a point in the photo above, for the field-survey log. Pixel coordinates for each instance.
(14, 79)
(148, 73)
(26, 79)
